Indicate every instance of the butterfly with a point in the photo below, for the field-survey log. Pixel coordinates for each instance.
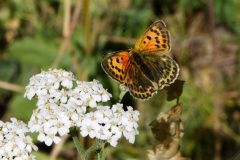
(146, 67)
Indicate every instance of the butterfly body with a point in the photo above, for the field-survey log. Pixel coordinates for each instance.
(145, 68)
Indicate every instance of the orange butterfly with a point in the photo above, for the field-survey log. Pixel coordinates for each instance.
(145, 68)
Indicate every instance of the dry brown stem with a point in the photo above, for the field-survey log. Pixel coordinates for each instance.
(67, 29)
(11, 87)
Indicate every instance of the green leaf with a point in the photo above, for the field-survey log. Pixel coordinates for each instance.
(7, 70)
(22, 107)
(36, 52)
(41, 155)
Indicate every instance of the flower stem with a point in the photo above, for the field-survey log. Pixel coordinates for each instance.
(77, 144)
(101, 155)
(94, 147)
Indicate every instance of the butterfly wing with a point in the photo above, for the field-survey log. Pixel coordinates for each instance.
(156, 38)
(145, 69)
(158, 68)
(116, 65)
(138, 84)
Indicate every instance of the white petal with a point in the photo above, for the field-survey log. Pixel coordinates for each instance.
(48, 141)
(84, 132)
(41, 137)
(92, 103)
(56, 140)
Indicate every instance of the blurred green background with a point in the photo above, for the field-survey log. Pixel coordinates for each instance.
(76, 34)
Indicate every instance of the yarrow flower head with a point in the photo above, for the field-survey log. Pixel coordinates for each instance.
(111, 123)
(14, 143)
(63, 102)
(49, 84)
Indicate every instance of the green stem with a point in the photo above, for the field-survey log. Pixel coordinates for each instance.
(89, 150)
(93, 148)
(101, 155)
(177, 100)
(98, 145)
(77, 144)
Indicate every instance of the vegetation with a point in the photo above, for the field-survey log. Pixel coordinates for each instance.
(76, 34)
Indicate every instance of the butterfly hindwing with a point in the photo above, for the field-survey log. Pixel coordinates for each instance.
(116, 65)
(156, 38)
(158, 68)
(139, 85)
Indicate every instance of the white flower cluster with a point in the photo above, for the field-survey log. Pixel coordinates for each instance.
(14, 144)
(110, 123)
(63, 102)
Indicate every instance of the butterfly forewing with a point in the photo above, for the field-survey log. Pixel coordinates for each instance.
(116, 65)
(156, 38)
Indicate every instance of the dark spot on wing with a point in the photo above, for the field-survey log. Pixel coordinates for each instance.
(167, 72)
(164, 45)
(121, 77)
(151, 89)
(118, 69)
(162, 83)
(117, 60)
(155, 31)
(141, 96)
(149, 38)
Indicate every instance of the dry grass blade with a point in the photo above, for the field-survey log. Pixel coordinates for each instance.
(11, 87)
